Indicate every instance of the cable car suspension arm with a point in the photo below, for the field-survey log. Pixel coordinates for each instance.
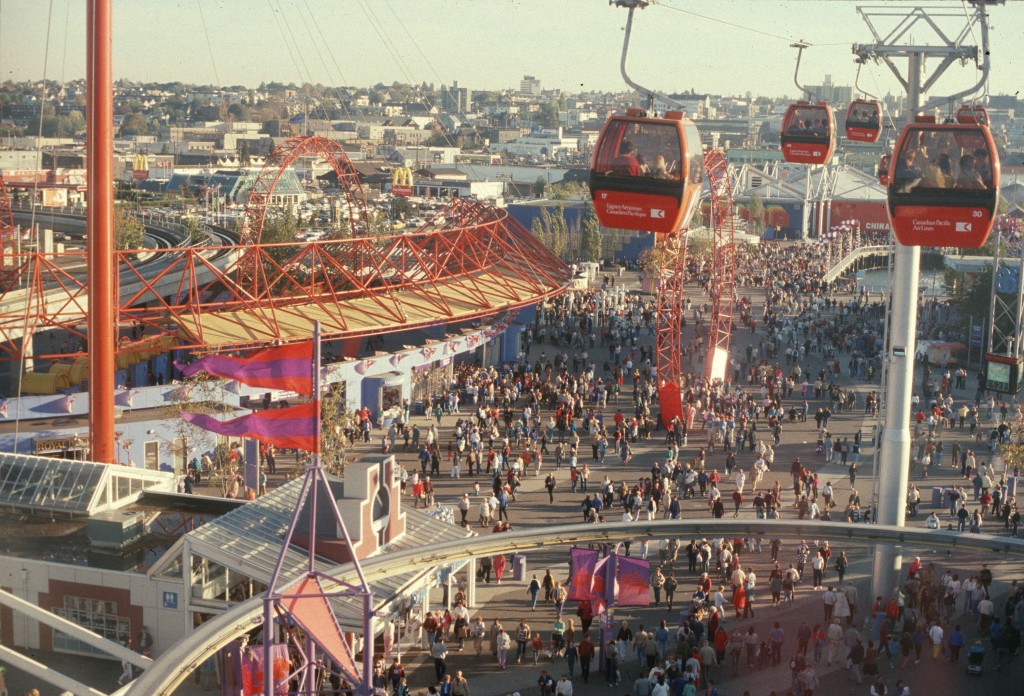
(649, 93)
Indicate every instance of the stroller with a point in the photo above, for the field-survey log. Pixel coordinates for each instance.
(975, 656)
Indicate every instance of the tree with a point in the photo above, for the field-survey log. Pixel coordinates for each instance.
(559, 233)
(133, 124)
(244, 159)
(238, 112)
(401, 208)
(569, 191)
(756, 213)
(196, 394)
(279, 227)
(547, 116)
(539, 186)
(551, 229)
(336, 428)
(537, 228)
(128, 231)
(590, 242)
(194, 229)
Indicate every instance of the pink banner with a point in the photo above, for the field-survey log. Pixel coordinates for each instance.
(597, 590)
(634, 582)
(584, 562)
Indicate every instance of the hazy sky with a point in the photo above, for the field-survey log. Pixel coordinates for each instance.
(717, 46)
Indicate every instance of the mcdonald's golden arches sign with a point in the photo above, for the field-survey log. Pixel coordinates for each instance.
(401, 182)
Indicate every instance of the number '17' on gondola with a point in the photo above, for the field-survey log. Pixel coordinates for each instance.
(943, 185)
(646, 172)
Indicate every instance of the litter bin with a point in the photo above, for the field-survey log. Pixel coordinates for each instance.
(519, 567)
(937, 497)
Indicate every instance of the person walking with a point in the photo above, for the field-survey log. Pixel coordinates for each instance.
(854, 659)
(571, 655)
(460, 685)
(522, 639)
(534, 591)
(439, 652)
(586, 654)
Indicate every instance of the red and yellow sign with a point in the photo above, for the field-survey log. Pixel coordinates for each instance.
(401, 182)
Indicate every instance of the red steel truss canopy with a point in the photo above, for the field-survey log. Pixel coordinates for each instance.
(470, 261)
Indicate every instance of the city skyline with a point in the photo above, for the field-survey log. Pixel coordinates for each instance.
(574, 45)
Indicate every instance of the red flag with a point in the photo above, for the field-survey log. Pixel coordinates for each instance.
(292, 427)
(287, 367)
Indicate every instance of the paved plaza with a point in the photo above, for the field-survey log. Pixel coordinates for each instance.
(509, 602)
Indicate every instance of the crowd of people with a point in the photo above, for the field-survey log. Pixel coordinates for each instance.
(582, 399)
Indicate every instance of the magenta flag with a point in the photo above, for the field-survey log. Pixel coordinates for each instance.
(288, 367)
(598, 591)
(581, 584)
(634, 582)
(287, 428)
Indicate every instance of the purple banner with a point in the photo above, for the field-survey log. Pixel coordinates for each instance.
(288, 367)
(288, 428)
(634, 582)
(584, 562)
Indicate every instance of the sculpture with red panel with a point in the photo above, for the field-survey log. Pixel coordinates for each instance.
(943, 185)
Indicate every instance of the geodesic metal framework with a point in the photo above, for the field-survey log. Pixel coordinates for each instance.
(1006, 318)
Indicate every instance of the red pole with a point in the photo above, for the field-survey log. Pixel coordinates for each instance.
(100, 227)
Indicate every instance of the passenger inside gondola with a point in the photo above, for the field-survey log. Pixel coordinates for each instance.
(865, 118)
(969, 178)
(983, 166)
(939, 172)
(626, 161)
(908, 175)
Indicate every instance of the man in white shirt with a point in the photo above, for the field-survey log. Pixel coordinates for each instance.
(741, 480)
(935, 633)
(828, 600)
(817, 568)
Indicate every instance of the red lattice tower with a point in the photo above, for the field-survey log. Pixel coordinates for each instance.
(669, 335)
(716, 366)
(672, 297)
(6, 217)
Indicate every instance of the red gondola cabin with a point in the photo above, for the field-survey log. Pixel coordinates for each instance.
(864, 121)
(972, 113)
(808, 133)
(647, 172)
(944, 185)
